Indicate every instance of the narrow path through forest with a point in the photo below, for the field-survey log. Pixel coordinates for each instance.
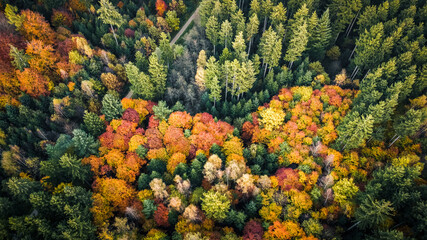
(178, 35)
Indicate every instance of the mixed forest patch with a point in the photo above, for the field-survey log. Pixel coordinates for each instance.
(266, 120)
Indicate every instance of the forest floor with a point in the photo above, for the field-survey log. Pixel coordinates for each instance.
(177, 36)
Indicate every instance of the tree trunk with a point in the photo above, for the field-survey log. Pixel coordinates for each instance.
(249, 47)
(355, 71)
(354, 225)
(290, 65)
(114, 34)
(226, 87)
(265, 24)
(352, 24)
(336, 38)
(394, 141)
(234, 78)
(351, 55)
(265, 69)
(214, 50)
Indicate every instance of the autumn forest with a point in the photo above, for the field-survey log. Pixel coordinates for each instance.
(213, 119)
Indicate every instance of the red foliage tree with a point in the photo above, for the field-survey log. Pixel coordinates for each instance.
(161, 215)
(5, 40)
(288, 179)
(247, 131)
(131, 115)
(154, 138)
(253, 231)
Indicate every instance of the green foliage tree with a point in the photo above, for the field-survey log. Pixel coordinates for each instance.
(161, 111)
(63, 145)
(251, 30)
(215, 205)
(20, 59)
(93, 123)
(297, 44)
(141, 84)
(374, 213)
(270, 49)
(167, 51)
(214, 90)
(172, 20)
(110, 16)
(84, 144)
(278, 14)
(354, 133)
(407, 124)
(158, 74)
(212, 29)
(343, 12)
(226, 33)
(111, 106)
(68, 168)
(320, 37)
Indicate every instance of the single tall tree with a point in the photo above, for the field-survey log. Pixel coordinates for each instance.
(212, 29)
(251, 29)
(141, 84)
(270, 49)
(320, 37)
(226, 33)
(110, 16)
(158, 74)
(297, 45)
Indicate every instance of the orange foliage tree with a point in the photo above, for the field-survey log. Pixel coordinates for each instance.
(43, 58)
(36, 27)
(110, 195)
(33, 83)
(161, 7)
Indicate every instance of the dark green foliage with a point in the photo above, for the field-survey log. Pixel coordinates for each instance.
(215, 149)
(182, 170)
(68, 168)
(392, 194)
(173, 217)
(21, 188)
(111, 106)
(236, 219)
(156, 165)
(59, 216)
(196, 174)
(64, 144)
(252, 208)
(93, 123)
(148, 208)
(144, 181)
(84, 144)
